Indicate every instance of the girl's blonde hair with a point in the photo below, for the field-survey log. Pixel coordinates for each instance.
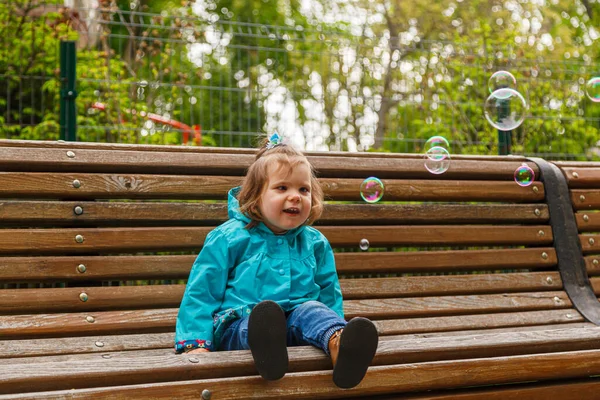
(256, 179)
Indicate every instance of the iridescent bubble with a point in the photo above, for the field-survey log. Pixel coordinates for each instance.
(364, 244)
(501, 80)
(371, 190)
(436, 141)
(592, 89)
(505, 109)
(437, 160)
(524, 175)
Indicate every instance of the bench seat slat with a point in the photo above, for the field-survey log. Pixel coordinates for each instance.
(585, 199)
(105, 186)
(52, 241)
(13, 301)
(582, 177)
(131, 367)
(87, 160)
(588, 221)
(116, 342)
(154, 213)
(137, 267)
(163, 320)
(445, 285)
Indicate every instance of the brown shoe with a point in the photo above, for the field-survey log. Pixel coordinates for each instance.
(352, 350)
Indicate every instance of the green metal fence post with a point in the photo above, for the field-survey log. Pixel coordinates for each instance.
(68, 116)
(504, 137)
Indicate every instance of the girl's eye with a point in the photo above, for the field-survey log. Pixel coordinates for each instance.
(304, 190)
(281, 188)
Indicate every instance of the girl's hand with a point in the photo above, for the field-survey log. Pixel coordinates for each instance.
(199, 350)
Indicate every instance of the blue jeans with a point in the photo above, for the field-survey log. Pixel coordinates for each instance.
(312, 323)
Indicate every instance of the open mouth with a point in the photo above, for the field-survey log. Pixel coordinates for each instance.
(292, 211)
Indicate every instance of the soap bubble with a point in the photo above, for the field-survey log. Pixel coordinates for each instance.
(371, 190)
(436, 141)
(437, 160)
(505, 109)
(364, 244)
(524, 175)
(592, 89)
(501, 80)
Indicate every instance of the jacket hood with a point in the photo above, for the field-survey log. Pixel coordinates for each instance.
(233, 211)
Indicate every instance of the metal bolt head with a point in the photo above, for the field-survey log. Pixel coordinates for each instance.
(537, 212)
(535, 189)
(194, 360)
(90, 319)
(541, 232)
(70, 154)
(107, 356)
(591, 241)
(99, 344)
(76, 184)
(549, 280)
(78, 210)
(595, 261)
(581, 198)
(79, 238)
(575, 175)
(81, 268)
(83, 297)
(206, 394)
(569, 316)
(586, 217)
(557, 299)
(545, 255)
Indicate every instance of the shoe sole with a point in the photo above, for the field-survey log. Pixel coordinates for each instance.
(358, 345)
(267, 337)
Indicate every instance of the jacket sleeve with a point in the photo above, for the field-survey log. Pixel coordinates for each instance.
(203, 294)
(327, 278)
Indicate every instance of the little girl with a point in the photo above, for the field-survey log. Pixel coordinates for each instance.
(265, 279)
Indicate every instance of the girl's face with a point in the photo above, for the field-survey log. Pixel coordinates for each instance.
(286, 201)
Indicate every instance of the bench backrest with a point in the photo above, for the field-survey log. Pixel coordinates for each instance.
(100, 238)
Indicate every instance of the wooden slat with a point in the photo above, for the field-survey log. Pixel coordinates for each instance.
(590, 243)
(148, 366)
(13, 301)
(163, 320)
(86, 344)
(169, 213)
(455, 305)
(592, 264)
(140, 186)
(578, 177)
(87, 323)
(445, 285)
(86, 160)
(64, 268)
(565, 390)
(113, 343)
(585, 199)
(53, 241)
(445, 261)
(588, 221)
(468, 322)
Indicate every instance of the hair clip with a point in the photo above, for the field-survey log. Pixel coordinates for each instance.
(274, 140)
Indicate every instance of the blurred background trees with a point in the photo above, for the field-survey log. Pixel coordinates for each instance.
(339, 75)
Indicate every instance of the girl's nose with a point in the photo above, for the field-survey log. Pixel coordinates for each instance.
(294, 197)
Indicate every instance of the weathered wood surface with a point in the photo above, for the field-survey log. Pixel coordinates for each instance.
(564, 390)
(194, 187)
(147, 366)
(114, 343)
(98, 240)
(25, 326)
(190, 163)
(34, 213)
(26, 301)
(585, 199)
(98, 268)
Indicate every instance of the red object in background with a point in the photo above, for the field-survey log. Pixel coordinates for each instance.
(186, 129)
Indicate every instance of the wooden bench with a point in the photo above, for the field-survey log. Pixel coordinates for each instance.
(462, 278)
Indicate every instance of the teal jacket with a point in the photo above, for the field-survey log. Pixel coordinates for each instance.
(238, 268)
